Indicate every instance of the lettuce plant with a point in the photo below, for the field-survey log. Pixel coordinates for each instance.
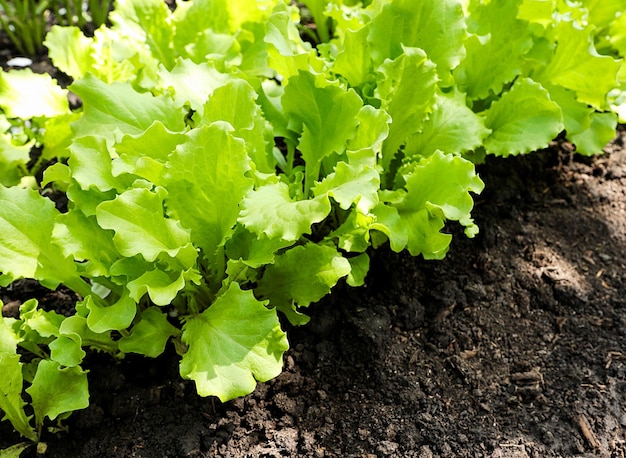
(223, 171)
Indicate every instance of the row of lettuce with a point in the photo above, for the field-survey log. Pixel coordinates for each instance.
(231, 160)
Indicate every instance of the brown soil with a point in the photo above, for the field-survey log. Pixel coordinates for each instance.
(513, 346)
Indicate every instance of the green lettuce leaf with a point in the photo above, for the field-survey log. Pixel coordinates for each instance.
(451, 128)
(288, 54)
(56, 390)
(191, 83)
(70, 50)
(26, 251)
(11, 383)
(495, 50)
(24, 94)
(302, 275)
(150, 335)
(145, 155)
(13, 160)
(437, 189)
(435, 26)
(113, 110)
(577, 66)
(140, 227)
(406, 88)
(232, 344)
(115, 317)
(211, 166)
(349, 185)
(235, 104)
(328, 118)
(522, 120)
(270, 211)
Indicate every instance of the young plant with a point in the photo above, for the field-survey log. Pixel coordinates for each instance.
(222, 170)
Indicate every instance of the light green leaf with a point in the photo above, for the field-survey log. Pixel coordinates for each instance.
(117, 109)
(24, 94)
(58, 135)
(496, 49)
(117, 55)
(162, 287)
(367, 144)
(67, 351)
(435, 26)
(359, 266)
(11, 382)
(146, 154)
(11, 402)
(351, 185)
(223, 16)
(232, 344)
(328, 115)
(317, 9)
(210, 166)
(70, 50)
(437, 188)
(603, 14)
(302, 275)
(56, 390)
(576, 65)
(45, 323)
(353, 234)
(406, 88)
(576, 115)
(270, 211)
(600, 132)
(26, 251)
(390, 223)
(150, 335)
(8, 337)
(127, 269)
(254, 50)
(522, 120)
(354, 61)
(537, 11)
(253, 251)
(82, 239)
(452, 128)
(112, 317)
(288, 54)
(76, 328)
(90, 163)
(191, 82)
(149, 21)
(13, 160)
(235, 103)
(140, 227)
(15, 451)
(617, 32)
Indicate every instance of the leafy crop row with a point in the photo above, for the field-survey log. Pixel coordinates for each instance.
(222, 170)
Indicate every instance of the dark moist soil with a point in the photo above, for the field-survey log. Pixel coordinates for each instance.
(513, 346)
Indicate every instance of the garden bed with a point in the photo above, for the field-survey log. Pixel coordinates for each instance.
(513, 346)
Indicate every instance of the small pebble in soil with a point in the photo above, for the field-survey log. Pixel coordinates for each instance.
(20, 62)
